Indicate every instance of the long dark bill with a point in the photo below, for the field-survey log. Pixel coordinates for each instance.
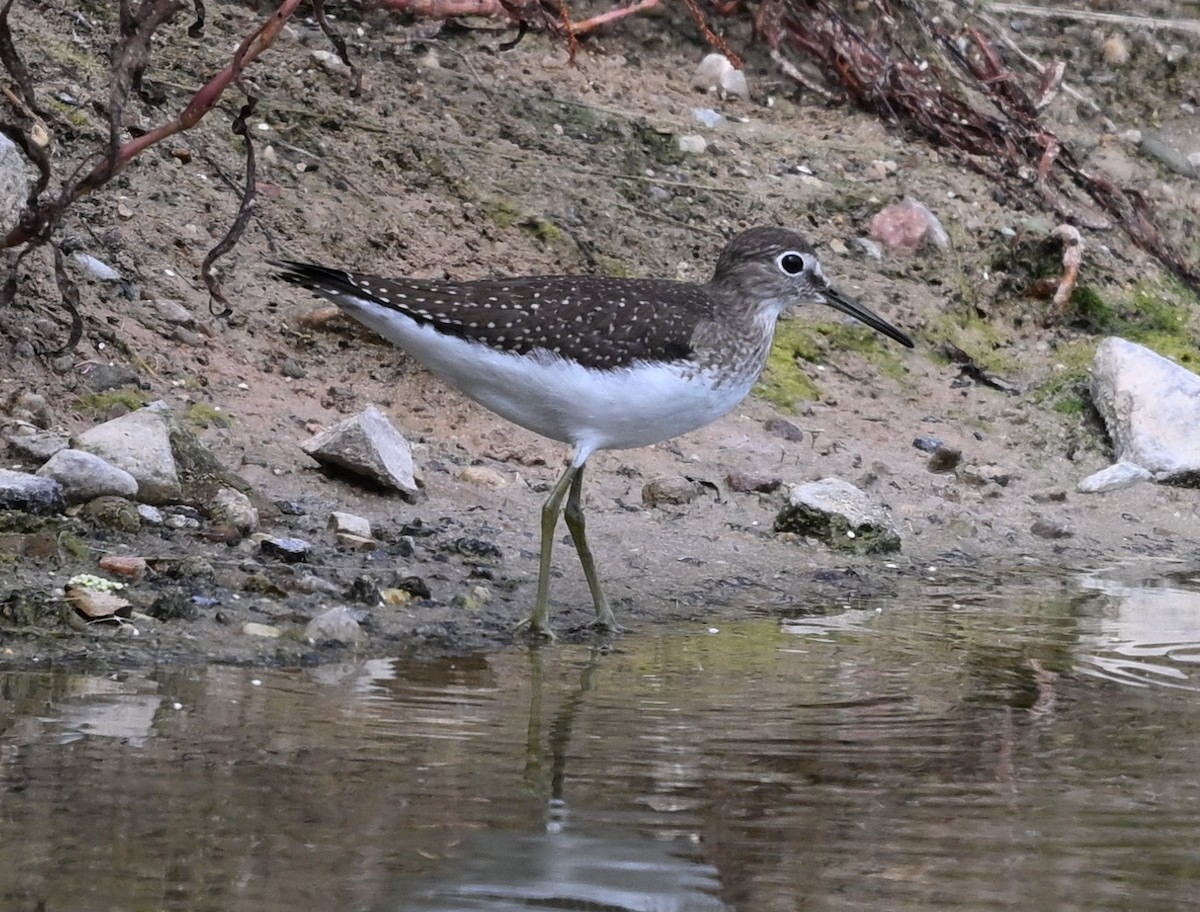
(839, 301)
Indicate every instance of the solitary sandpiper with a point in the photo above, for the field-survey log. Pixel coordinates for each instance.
(596, 362)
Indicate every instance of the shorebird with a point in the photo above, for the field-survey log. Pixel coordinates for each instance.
(598, 363)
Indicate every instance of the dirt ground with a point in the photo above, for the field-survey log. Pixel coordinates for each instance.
(460, 160)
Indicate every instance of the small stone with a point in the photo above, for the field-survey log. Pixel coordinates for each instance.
(288, 550)
(908, 224)
(350, 524)
(928, 444)
(482, 475)
(693, 144)
(151, 515)
(292, 368)
(716, 73)
(781, 427)
(128, 566)
(105, 377)
(1115, 50)
(329, 62)
(114, 513)
(752, 482)
(337, 625)
(1045, 528)
(475, 599)
(352, 542)
(172, 312)
(669, 489)
(944, 459)
(367, 445)
(1054, 495)
(124, 213)
(261, 630)
(234, 509)
(97, 605)
(979, 476)
(840, 515)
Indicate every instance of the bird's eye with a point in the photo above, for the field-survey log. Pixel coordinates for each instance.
(792, 263)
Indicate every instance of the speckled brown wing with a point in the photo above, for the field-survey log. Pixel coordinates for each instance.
(599, 322)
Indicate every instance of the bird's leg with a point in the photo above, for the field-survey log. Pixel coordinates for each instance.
(538, 623)
(577, 526)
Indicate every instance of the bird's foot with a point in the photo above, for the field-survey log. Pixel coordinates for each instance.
(535, 630)
(606, 622)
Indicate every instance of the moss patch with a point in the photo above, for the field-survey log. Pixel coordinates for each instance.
(99, 404)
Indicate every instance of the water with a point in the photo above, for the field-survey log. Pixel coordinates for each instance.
(1022, 749)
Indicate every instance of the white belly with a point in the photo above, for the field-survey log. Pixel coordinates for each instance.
(591, 410)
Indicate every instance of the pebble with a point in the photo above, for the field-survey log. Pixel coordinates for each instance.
(781, 427)
(288, 550)
(669, 489)
(928, 444)
(337, 625)
(350, 524)
(1045, 528)
(693, 144)
(482, 475)
(125, 565)
(261, 630)
(752, 482)
(944, 459)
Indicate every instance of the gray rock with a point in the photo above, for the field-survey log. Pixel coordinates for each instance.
(233, 508)
(139, 443)
(367, 445)
(1165, 150)
(31, 493)
(288, 550)
(38, 445)
(1151, 407)
(14, 184)
(172, 311)
(106, 377)
(337, 625)
(840, 515)
(1116, 477)
(150, 515)
(85, 476)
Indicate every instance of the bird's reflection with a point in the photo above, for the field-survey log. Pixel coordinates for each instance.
(570, 863)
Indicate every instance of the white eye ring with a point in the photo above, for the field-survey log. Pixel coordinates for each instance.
(793, 262)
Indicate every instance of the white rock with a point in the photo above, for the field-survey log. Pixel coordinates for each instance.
(1151, 407)
(85, 476)
(716, 73)
(350, 524)
(1114, 478)
(693, 144)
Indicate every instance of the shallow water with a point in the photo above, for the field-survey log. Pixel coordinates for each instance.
(1031, 748)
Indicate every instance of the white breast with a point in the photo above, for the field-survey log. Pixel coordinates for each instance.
(591, 410)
